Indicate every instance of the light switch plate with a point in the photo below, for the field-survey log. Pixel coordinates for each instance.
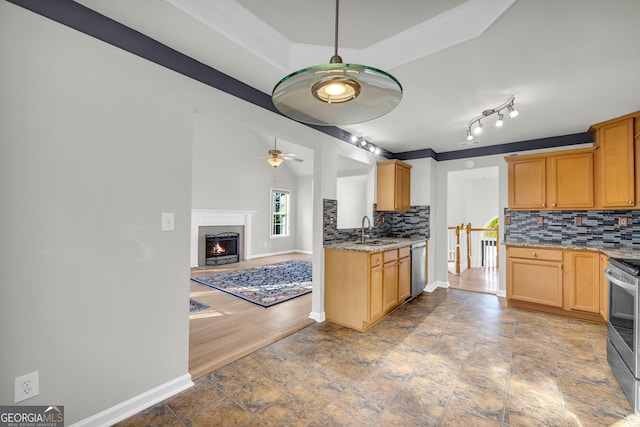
(577, 221)
(168, 221)
(507, 220)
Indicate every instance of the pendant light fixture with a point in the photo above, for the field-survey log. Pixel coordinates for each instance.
(336, 93)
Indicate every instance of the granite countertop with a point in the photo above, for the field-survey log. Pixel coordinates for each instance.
(610, 252)
(386, 243)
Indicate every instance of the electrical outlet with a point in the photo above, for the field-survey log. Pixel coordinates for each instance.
(27, 386)
(539, 220)
(577, 221)
(507, 220)
(622, 221)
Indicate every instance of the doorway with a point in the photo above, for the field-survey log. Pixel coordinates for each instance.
(473, 230)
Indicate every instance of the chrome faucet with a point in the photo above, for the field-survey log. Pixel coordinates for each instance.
(362, 230)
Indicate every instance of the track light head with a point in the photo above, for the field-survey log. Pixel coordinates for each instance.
(500, 120)
(478, 129)
(512, 111)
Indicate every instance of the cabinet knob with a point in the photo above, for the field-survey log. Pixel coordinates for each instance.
(554, 205)
(560, 266)
(630, 202)
(544, 204)
(534, 254)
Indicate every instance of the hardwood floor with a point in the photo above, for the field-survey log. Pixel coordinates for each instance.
(232, 328)
(484, 280)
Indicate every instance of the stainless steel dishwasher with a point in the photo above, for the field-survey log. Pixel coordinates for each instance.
(418, 267)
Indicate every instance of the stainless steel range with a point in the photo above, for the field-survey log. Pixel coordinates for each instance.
(622, 343)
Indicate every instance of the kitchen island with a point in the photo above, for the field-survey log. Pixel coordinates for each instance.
(365, 281)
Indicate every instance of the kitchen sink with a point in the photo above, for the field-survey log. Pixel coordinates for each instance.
(376, 242)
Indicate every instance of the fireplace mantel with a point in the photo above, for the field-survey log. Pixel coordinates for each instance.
(215, 217)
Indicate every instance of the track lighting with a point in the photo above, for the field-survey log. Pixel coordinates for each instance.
(354, 139)
(475, 124)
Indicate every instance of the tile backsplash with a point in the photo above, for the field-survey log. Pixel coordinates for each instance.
(411, 224)
(599, 229)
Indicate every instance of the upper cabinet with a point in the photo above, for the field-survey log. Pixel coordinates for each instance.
(618, 168)
(557, 180)
(393, 186)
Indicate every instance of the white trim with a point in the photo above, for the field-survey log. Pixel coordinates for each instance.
(501, 293)
(435, 285)
(124, 410)
(214, 217)
(318, 317)
(277, 253)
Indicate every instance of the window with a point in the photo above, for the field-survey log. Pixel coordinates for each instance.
(280, 213)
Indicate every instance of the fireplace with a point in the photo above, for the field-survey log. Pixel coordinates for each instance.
(222, 248)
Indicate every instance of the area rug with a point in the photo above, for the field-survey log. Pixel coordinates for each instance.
(264, 286)
(196, 306)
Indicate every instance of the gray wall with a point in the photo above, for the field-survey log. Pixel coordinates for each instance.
(95, 145)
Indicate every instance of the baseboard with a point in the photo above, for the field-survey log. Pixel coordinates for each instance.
(501, 293)
(435, 285)
(318, 317)
(293, 251)
(136, 404)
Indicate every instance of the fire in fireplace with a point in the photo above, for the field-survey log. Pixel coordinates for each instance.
(222, 248)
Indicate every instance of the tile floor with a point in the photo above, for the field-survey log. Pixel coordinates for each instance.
(449, 358)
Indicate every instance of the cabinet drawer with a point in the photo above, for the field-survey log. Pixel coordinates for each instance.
(375, 259)
(404, 252)
(535, 253)
(390, 255)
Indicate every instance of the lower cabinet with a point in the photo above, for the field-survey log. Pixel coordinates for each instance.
(404, 273)
(557, 281)
(360, 288)
(604, 288)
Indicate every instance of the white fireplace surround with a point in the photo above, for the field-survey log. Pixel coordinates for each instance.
(214, 217)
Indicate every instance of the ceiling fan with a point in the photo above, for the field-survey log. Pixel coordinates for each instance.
(276, 156)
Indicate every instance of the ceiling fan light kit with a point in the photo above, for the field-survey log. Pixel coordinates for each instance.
(276, 157)
(477, 121)
(336, 93)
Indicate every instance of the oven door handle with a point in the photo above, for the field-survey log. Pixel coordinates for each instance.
(626, 286)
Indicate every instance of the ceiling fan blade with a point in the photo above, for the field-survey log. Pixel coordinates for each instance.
(295, 159)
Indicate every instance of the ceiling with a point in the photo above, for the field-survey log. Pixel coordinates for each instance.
(569, 63)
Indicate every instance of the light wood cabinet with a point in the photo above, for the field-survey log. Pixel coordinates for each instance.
(570, 183)
(535, 276)
(566, 282)
(582, 281)
(604, 288)
(618, 162)
(404, 274)
(557, 180)
(360, 288)
(393, 190)
(390, 281)
(527, 183)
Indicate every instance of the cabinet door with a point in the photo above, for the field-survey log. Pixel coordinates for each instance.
(404, 278)
(604, 288)
(375, 293)
(617, 169)
(570, 183)
(535, 281)
(390, 286)
(583, 281)
(403, 188)
(527, 184)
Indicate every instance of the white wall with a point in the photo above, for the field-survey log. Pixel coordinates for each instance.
(304, 217)
(352, 198)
